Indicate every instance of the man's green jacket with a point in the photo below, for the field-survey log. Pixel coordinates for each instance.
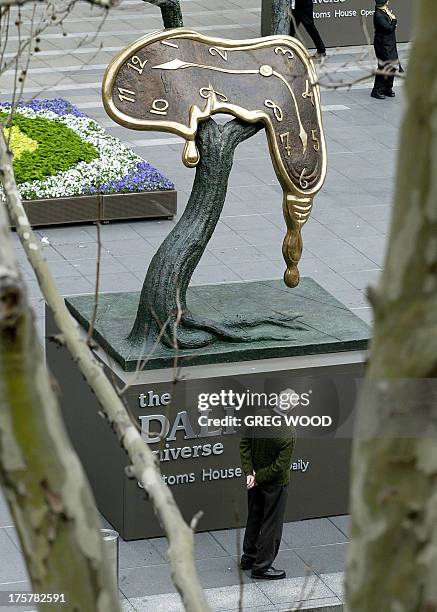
(269, 458)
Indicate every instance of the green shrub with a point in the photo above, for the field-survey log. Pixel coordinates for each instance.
(59, 148)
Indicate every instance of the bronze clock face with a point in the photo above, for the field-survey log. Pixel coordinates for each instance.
(173, 79)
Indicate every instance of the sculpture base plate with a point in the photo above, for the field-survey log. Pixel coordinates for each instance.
(328, 326)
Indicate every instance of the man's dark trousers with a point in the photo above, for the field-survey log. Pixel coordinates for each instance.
(303, 14)
(266, 505)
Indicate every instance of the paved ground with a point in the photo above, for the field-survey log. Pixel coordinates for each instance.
(344, 249)
(312, 553)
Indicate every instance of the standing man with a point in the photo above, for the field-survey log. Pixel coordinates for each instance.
(385, 23)
(266, 463)
(302, 13)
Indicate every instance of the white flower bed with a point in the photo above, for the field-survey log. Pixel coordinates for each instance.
(115, 159)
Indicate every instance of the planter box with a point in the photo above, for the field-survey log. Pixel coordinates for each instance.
(111, 207)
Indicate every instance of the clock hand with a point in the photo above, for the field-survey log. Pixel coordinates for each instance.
(178, 64)
(265, 70)
(302, 133)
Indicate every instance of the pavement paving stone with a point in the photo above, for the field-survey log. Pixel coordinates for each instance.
(12, 535)
(5, 517)
(231, 540)
(166, 602)
(341, 256)
(171, 602)
(139, 553)
(112, 282)
(312, 532)
(135, 263)
(363, 279)
(342, 522)
(262, 269)
(244, 253)
(213, 275)
(374, 246)
(324, 604)
(322, 559)
(73, 285)
(147, 580)
(351, 299)
(205, 546)
(295, 590)
(365, 313)
(220, 572)
(335, 581)
(12, 568)
(228, 598)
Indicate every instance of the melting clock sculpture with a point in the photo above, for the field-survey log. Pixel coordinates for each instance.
(175, 79)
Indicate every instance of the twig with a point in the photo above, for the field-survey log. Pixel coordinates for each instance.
(97, 282)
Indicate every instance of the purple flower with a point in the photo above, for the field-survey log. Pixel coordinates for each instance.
(57, 105)
(144, 178)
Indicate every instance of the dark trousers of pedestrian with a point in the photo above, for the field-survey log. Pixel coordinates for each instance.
(303, 14)
(384, 82)
(266, 507)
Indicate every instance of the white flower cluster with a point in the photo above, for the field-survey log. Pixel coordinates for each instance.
(115, 159)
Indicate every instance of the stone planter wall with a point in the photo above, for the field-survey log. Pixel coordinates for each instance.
(111, 207)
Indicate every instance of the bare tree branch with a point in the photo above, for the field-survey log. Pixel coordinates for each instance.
(43, 480)
(143, 463)
(107, 4)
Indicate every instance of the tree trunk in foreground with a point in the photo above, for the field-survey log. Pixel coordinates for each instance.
(44, 484)
(392, 562)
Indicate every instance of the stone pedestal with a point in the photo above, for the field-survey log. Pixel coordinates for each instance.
(201, 463)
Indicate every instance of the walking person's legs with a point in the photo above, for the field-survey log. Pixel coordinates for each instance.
(295, 21)
(307, 20)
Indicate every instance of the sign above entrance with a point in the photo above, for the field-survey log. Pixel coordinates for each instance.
(347, 22)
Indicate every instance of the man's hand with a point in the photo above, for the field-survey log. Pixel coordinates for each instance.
(250, 481)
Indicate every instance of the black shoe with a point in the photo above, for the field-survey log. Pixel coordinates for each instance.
(389, 93)
(377, 95)
(269, 574)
